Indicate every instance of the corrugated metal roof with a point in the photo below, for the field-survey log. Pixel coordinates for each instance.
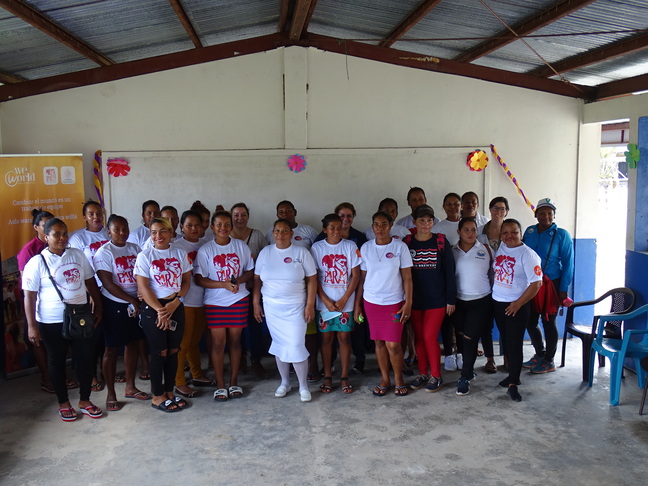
(131, 30)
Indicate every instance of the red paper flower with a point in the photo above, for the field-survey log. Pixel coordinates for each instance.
(118, 167)
(297, 163)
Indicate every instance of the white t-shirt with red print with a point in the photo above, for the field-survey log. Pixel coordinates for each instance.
(70, 271)
(220, 263)
(383, 283)
(334, 264)
(515, 269)
(89, 242)
(164, 269)
(119, 261)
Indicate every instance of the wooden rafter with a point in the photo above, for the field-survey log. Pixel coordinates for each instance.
(186, 22)
(505, 36)
(410, 21)
(610, 51)
(300, 18)
(143, 66)
(446, 66)
(42, 23)
(622, 87)
(10, 78)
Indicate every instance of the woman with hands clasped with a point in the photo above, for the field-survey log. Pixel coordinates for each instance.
(386, 290)
(224, 266)
(338, 266)
(285, 274)
(518, 277)
(163, 276)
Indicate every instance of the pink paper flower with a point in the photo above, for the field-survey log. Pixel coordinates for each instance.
(297, 163)
(118, 167)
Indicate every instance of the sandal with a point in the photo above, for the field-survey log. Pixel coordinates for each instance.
(67, 414)
(400, 390)
(490, 367)
(380, 391)
(144, 375)
(97, 387)
(180, 402)
(92, 411)
(313, 377)
(327, 386)
(113, 406)
(191, 394)
(235, 391)
(120, 379)
(167, 406)
(348, 388)
(221, 395)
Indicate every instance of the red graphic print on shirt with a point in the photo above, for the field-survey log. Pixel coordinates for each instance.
(124, 266)
(96, 245)
(504, 271)
(72, 276)
(192, 256)
(167, 272)
(227, 266)
(337, 269)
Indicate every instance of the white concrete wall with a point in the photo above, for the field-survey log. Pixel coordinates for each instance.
(330, 101)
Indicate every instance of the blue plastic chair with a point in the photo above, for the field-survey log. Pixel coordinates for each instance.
(617, 350)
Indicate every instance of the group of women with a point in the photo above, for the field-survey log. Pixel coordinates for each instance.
(155, 287)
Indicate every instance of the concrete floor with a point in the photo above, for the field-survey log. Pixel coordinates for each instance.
(561, 433)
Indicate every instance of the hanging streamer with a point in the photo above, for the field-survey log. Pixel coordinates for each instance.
(98, 178)
(511, 176)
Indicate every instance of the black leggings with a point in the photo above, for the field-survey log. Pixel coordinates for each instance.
(511, 330)
(550, 332)
(473, 317)
(83, 357)
(162, 368)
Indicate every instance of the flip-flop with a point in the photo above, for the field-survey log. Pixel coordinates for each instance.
(191, 394)
(71, 385)
(202, 384)
(92, 411)
(235, 391)
(164, 406)
(120, 379)
(97, 387)
(69, 410)
(47, 388)
(113, 406)
(140, 395)
(380, 391)
(401, 391)
(144, 375)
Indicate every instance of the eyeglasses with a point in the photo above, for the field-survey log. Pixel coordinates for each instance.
(497, 208)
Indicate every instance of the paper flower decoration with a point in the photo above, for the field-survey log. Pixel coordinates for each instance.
(477, 160)
(118, 167)
(632, 155)
(297, 163)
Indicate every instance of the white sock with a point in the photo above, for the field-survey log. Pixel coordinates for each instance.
(284, 371)
(301, 369)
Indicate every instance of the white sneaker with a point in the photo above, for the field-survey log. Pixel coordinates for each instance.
(305, 395)
(282, 390)
(459, 361)
(450, 363)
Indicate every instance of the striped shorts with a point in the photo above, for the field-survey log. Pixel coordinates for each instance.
(236, 315)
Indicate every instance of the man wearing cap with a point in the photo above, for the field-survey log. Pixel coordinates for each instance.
(555, 248)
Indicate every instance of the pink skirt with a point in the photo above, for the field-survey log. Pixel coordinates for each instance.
(383, 326)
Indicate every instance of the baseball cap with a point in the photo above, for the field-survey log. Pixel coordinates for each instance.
(545, 202)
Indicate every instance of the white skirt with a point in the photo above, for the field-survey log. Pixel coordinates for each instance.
(288, 330)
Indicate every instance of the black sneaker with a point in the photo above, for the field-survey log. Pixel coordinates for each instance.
(463, 386)
(506, 382)
(434, 385)
(419, 382)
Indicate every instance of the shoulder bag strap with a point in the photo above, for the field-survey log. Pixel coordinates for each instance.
(549, 252)
(52, 279)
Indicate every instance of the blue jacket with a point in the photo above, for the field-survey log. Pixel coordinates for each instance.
(560, 263)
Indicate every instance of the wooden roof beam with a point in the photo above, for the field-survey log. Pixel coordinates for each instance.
(42, 23)
(301, 16)
(505, 36)
(447, 66)
(6, 78)
(186, 23)
(610, 51)
(622, 87)
(412, 19)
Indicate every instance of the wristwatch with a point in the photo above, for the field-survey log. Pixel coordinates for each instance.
(181, 299)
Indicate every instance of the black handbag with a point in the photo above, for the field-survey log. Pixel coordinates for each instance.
(78, 320)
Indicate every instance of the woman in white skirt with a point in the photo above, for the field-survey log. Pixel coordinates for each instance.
(286, 276)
